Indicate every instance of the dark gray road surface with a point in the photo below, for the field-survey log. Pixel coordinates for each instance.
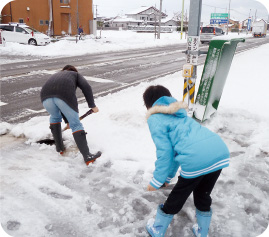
(21, 82)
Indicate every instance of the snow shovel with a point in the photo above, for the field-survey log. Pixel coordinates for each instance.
(51, 141)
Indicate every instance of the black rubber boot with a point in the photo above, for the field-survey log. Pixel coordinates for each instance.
(56, 131)
(81, 141)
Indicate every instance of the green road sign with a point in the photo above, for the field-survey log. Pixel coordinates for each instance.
(219, 15)
(217, 65)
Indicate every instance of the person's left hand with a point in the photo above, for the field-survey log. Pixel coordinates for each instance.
(150, 188)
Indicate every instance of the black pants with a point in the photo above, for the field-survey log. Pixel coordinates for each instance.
(201, 187)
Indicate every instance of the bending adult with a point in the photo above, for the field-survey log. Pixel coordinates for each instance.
(58, 96)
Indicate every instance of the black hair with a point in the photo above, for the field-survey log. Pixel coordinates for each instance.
(153, 93)
(69, 68)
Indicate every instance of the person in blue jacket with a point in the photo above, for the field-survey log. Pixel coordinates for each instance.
(181, 141)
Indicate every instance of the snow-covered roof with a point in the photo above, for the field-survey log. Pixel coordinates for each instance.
(261, 20)
(126, 19)
(232, 19)
(142, 9)
(138, 10)
(134, 20)
(167, 19)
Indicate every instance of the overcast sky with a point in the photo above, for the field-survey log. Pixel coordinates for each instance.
(240, 9)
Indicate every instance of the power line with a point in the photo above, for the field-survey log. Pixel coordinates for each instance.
(226, 9)
(214, 6)
(239, 12)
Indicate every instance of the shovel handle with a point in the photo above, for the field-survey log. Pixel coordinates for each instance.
(86, 114)
(80, 118)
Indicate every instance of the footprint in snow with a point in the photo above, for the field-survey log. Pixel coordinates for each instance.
(13, 225)
(236, 153)
(55, 194)
(141, 210)
(138, 177)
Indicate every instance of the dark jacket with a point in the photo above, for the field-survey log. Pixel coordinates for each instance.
(80, 30)
(63, 85)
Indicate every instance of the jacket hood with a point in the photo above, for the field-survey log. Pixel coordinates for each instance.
(168, 105)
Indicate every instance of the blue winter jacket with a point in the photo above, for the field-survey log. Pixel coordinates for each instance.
(181, 141)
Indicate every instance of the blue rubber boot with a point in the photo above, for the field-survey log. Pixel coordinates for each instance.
(158, 227)
(203, 222)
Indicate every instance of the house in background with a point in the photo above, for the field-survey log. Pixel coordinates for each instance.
(143, 16)
(244, 23)
(235, 23)
(53, 17)
(124, 22)
(146, 14)
(169, 22)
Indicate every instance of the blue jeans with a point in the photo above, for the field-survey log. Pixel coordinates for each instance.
(55, 106)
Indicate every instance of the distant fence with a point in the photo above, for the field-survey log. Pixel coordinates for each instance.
(112, 28)
(164, 29)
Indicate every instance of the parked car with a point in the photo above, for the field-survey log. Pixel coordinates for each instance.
(21, 33)
(208, 32)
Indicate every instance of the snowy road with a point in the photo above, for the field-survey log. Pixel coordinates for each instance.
(106, 72)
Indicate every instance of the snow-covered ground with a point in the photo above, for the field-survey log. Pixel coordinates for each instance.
(45, 194)
(109, 41)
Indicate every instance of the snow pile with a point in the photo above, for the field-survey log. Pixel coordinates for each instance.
(45, 194)
(232, 36)
(109, 41)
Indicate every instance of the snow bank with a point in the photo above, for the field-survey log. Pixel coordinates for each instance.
(109, 41)
(45, 194)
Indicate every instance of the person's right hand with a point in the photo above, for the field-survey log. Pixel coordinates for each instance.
(95, 109)
(150, 188)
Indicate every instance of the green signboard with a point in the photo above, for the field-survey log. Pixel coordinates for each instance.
(217, 65)
(219, 15)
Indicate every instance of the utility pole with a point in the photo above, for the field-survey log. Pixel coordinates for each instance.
(77, 18)
(195, 17)
(155, 24)
(96, 12)
(182, 18)
(10, 9)
(187, 20)
(51, 22)
(192, 51)
(228, 17)
(160, 17)
(255, 15)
